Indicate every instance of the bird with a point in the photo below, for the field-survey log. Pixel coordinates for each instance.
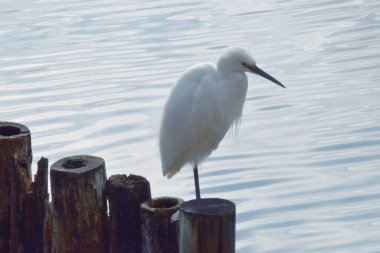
(204, 103)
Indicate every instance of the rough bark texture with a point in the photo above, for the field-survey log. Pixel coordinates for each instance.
(48, 230)
(79, 208)
(207, 225)
(125, 195)
(15, 180)
(158, 231)
(34, 212)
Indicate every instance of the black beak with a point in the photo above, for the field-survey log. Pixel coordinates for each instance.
(260, 72)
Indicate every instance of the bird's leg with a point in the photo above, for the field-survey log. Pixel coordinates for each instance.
(196, 180)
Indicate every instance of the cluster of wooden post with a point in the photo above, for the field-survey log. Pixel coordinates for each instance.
(89, 213)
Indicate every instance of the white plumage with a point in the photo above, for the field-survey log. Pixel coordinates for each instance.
(203, 104)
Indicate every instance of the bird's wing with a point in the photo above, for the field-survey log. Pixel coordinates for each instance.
(188, 116)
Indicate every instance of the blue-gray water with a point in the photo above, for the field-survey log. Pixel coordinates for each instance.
(91, 77)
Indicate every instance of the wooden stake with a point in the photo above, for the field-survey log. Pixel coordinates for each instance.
(48, 230)
(125, 195)
(207, 225)
(15, 141)
(35, 205)
(158, 231)
(79, 209)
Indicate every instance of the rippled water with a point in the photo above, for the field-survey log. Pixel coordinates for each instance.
(91, 77)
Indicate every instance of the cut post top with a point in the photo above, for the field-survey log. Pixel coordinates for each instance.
(76, 165)
(11, 129)
(163, 203)
(211, 206)
(124, 181)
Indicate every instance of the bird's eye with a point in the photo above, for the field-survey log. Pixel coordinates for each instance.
(245, 64)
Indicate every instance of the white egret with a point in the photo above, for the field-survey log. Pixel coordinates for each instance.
(203, 104)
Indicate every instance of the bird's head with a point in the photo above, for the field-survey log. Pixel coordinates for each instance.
(237, 59)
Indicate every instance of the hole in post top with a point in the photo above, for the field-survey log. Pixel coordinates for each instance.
(74, 164)
(9, 130)
(163, 203)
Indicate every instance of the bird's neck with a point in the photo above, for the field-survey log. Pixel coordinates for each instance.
(233, 77)
(233, 87)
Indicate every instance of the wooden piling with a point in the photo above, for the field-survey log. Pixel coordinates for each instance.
(79, 209)
(158, 231)
(125, 195)
(15, 180)
(35, 204)
(207, 225)
(47, 227)
(77, 221)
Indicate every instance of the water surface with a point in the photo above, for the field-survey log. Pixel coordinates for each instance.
(91, 77)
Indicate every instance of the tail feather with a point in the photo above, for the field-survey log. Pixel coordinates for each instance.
(170, 171)
(171, 164)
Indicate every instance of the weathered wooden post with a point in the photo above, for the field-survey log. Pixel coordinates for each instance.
(79, 208)
(47, 246)
(15, 180)
(125, 195)
(158, 231)
(35, 207)
(207, 225)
